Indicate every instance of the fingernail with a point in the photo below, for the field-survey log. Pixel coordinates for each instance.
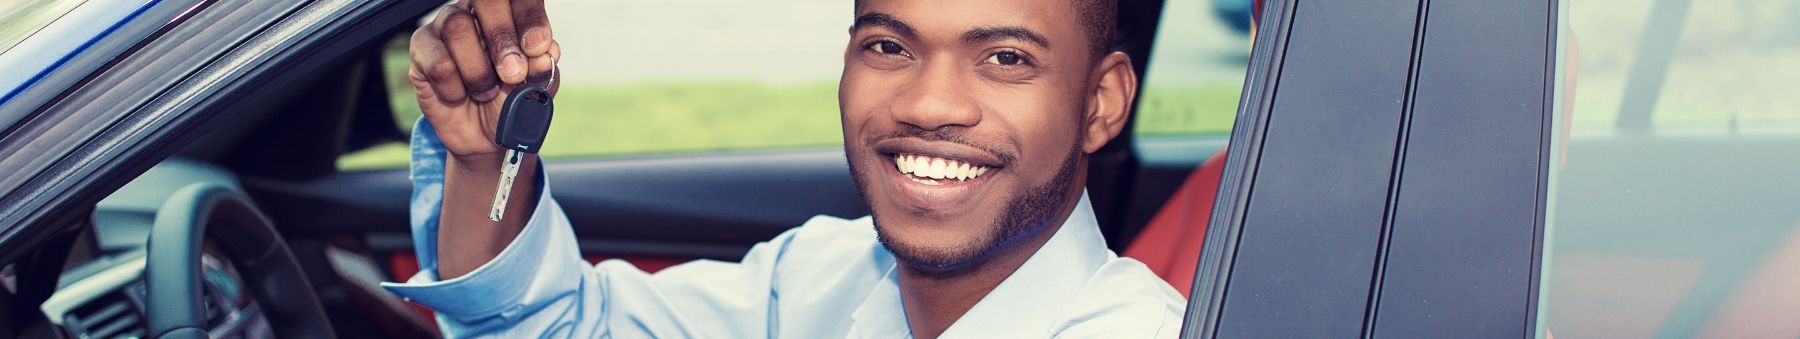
(513, 66)
(534, 38)
(488, 95)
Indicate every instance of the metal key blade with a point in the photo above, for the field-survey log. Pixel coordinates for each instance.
(508, 171)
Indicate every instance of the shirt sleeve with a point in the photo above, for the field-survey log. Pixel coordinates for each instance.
(540, 286)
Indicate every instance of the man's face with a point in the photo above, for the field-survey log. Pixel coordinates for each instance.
(963, 121)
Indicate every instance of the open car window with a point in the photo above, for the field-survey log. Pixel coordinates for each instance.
(1196, 69)
(1674, 197)
(655, 77)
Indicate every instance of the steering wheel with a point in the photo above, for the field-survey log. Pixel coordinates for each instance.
(173, 274)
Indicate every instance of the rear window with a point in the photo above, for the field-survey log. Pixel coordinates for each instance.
(1675, 181)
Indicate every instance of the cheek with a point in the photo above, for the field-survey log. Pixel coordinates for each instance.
(1044, 125)
(859, 96)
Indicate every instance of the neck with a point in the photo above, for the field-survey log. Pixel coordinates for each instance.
(935, 300)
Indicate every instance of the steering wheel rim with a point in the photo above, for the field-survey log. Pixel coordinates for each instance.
(175, 304)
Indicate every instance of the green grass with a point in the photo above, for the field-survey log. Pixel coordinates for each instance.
(666, 118)
(1201, 109)
(684, 117)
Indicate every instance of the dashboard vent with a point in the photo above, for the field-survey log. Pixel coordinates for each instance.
(110, 316)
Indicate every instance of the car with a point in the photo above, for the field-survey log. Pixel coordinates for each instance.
(225, 168)
(230, 168)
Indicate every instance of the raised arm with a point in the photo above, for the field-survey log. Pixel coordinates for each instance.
(464, 63)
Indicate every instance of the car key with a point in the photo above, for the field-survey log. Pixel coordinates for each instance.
(524, 120)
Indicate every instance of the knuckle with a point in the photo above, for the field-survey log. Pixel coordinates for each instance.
(532, 17)
(459, 26)
(416, 76)
(441, 69)
(502, 39)
(479, 80)
(423, 33)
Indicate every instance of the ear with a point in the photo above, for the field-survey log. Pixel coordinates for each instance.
(1109, 107)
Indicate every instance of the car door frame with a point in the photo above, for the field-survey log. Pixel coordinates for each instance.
(147, 103)
(1390, 187)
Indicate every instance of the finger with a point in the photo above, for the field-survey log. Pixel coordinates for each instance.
(534, 24)
(502, 39)
(542, 65)
(463, 39)
(434, 69)
(430, 101)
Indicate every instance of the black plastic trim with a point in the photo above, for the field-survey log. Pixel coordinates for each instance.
(1292, 246)
(1206, 301)
(304, 40)
(1466, 205)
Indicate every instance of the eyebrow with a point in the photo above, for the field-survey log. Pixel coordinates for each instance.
(984, 34)
(885, 21)
(987, 34)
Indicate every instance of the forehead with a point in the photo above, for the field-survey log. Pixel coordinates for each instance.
(1055, 19)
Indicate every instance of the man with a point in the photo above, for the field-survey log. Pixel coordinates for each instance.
(967, 126)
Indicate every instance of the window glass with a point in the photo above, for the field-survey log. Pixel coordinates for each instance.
(1674, 202)
(18, 19)
(676, 76)
(1196, 68)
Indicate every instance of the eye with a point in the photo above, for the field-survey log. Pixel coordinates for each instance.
(886, 47)
(1007, 58)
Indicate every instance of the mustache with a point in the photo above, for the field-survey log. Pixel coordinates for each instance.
(954, 134)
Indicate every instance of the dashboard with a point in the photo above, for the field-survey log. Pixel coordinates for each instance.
(105, 298)
(101, 293)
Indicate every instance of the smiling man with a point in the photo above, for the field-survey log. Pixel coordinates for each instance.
(967, 126)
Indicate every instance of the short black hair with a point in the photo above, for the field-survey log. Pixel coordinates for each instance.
(1100, 18)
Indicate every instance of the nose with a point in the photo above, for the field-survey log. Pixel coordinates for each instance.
(938, 98)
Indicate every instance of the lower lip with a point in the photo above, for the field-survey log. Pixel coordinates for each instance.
(945, 196)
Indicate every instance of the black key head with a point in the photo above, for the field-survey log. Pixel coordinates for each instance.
(524, 119)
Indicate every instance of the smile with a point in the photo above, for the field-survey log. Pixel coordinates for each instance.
(935, 171)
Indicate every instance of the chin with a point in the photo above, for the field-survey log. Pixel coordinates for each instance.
(931, 248)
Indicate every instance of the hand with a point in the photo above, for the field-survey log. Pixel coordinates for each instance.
(469, 57)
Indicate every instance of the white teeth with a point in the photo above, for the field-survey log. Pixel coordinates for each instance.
(924, 167)
(937, 169)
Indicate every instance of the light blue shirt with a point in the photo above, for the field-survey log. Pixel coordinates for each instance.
(828, 278)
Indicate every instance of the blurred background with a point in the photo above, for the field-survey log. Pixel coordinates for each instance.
(646, 77)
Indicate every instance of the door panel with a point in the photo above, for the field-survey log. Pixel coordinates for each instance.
(711, 206)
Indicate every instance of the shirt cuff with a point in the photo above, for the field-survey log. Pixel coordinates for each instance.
(498, 287)
(427, 176)
(497, 284)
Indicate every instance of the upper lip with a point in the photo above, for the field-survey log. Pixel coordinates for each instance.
(938, 149)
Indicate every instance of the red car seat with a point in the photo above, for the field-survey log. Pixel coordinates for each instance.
(1170, 244)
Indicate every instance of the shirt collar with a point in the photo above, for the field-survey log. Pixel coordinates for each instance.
(1022, 305)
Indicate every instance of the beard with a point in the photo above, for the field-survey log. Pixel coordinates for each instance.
(1026, 215)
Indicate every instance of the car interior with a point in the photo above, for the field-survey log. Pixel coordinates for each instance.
(341, 232)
